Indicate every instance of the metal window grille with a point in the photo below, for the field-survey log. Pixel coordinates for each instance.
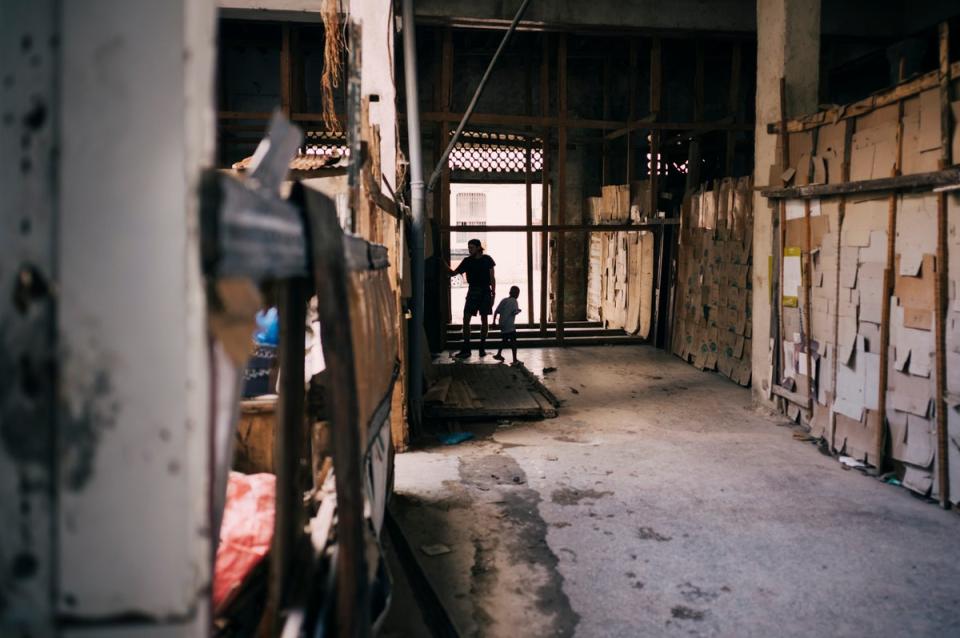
(326, 143)
(495, 153)
(471, 211)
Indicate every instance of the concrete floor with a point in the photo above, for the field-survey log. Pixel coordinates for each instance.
(661, 503)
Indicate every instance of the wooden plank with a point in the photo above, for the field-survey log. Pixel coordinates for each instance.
(943, 281)
(841, 214)
(915, 182)
(898, 93)
(792, 397)
(288, 451)
(888, 279)
(330, 280)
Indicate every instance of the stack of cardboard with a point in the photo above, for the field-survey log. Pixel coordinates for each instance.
(847, 264)
(620, 204)
(712, 327)
(622, 264)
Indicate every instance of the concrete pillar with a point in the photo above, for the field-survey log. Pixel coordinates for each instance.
(788, 46)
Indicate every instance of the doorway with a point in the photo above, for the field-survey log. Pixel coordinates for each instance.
(484, 205)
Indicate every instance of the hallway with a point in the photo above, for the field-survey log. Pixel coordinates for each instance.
(660, 503)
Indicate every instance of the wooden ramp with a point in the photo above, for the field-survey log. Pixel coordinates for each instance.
(487, 391)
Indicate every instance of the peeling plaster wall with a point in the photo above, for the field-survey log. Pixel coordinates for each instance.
(137, 125)
(788, 45)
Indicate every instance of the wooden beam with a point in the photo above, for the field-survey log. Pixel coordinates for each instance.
(779, 231)
(561, 181)
(444, 93)
(528, 196)
(900, 92)
(605, 148)
(545, 178)
(942, 290)
(528, 183)
(577, 123)
(888, 280)
(566, 228)
(841, 214)
(914, 182)
(634, 54)
(656, 101)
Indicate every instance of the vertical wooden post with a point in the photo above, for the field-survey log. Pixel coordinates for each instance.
(561, 180)
(545, 179)
(693, 152)
(733, 104)
(285, 73)
(780, 232)
(889, 276)
(605, 146)
(656, 90)
(631, 170)
(841, 213)
(442, 198)
(940, 319)
(528, 191)
(292, 296)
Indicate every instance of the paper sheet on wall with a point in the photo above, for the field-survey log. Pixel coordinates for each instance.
(795, 209)
(792, 277)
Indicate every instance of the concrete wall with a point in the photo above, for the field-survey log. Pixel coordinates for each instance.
(788, 45)
(117, 122)
(136, 127)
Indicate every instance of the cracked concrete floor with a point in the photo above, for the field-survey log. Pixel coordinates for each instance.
(660, 503)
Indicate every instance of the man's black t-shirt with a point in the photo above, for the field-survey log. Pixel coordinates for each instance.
(477, 269)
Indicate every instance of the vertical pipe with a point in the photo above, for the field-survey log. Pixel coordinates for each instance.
(416, 210)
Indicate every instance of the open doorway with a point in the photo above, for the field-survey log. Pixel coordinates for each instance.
(484, 204)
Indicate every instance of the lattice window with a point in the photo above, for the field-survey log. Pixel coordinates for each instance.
(495, 153)
(326, 143)
(471, 211)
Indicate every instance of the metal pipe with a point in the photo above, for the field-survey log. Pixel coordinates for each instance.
(476, 95)
(416, 209)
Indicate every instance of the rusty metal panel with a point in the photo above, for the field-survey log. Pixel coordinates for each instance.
(28, 115)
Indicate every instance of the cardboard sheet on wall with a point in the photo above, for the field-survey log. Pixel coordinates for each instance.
(792, 276)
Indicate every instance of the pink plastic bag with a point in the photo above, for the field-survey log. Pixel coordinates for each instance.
(245, 533)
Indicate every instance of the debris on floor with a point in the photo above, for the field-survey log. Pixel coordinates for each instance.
(477, 391)
(435, 550)
(849, 462)
(455, 438)
(549, 369)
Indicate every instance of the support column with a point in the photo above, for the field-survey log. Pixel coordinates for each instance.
(788, 46)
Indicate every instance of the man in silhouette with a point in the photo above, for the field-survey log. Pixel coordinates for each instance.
(481, 290)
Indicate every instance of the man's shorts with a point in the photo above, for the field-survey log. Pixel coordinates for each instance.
(478, 300)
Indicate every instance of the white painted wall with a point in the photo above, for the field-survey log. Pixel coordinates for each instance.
(137, 127)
